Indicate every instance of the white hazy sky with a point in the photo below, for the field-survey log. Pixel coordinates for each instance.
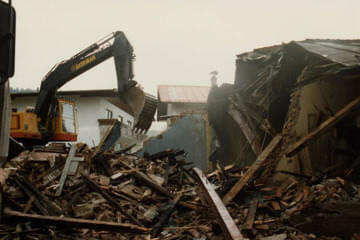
(175, 42)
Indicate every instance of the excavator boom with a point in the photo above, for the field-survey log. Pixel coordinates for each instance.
(114, 45)
(55, 120)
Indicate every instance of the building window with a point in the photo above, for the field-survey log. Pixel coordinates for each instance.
(109, 114)
(121, 119)
(129, 123)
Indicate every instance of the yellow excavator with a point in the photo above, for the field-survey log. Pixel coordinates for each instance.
(55, 119)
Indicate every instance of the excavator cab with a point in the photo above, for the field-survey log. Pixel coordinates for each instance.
(64, 124)
(61, 124)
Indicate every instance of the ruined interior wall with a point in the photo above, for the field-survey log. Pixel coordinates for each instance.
(310, 106)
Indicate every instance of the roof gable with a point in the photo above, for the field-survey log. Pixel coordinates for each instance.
(183, 94)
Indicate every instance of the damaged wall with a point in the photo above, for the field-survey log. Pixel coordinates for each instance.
(190, 133)
(313, 104)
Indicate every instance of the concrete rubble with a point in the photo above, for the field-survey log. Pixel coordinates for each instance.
(284, 153)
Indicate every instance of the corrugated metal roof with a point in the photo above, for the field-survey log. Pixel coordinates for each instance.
(183, 94)
(345, 52)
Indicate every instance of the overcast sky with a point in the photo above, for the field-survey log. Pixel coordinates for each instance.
(175, 42)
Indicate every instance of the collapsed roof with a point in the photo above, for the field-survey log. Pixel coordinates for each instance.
(267, 75)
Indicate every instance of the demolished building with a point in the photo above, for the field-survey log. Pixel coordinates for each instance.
(292, 111)
(290, 89)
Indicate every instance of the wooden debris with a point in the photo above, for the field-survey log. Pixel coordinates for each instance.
(3, 177)
(250, 172)
(281, 236)
(73, 222)
(156, 187)
(145, 192)
(33, 191)
(229, 228)
(84, 210)
(251, 215)
(165, 216)
(107, 196)
(116, 176)
(227, 168)
(275, 205)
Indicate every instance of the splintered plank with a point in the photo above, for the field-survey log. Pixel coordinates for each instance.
(251, 171)
(249, 223)
(74, 222)
(325, 126)
(165, 216)
(228, 226)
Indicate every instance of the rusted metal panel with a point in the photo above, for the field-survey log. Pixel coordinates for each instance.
(228, 226)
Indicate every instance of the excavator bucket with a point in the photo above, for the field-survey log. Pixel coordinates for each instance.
(142, 105)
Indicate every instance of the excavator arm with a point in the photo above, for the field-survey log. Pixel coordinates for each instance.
(115, 45)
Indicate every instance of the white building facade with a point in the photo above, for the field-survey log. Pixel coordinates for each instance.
(94, 107)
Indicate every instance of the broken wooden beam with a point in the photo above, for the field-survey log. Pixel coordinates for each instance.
(74, 222)
(111, 200)
(251, 171)
(324, 127)
(217, 171)
(50, 206)
(165, 216)
(37, 203)
(249, 222)
(228, 226)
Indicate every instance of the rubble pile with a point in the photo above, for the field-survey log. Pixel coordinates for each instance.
(160, 196)
(316, 208)
(156, 196)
